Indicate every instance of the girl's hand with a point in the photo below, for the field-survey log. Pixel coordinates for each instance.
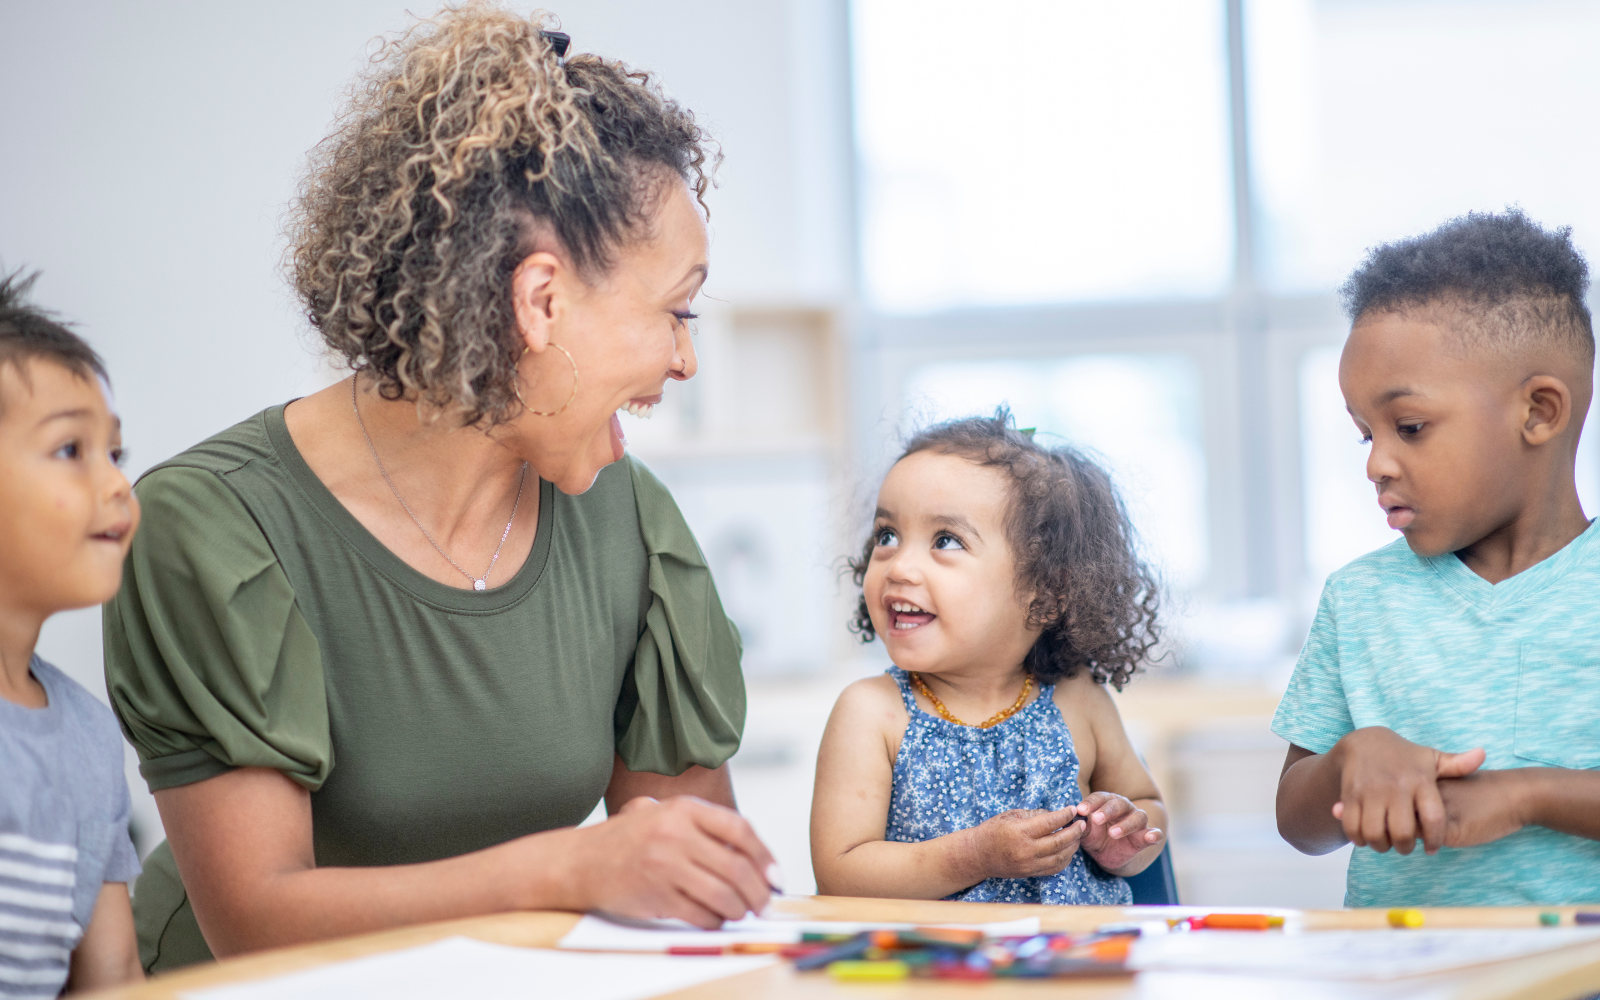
(1024, 843)
(683, 857)
(1118, 831)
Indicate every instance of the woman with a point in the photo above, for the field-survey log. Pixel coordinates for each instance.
(381, 648)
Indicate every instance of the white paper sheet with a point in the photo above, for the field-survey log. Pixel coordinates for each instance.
(462, 967)
(596, 933)
(1346, 955)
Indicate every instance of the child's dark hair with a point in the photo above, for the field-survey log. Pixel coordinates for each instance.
(1519, 281)
(28, 333)
(1094, 598)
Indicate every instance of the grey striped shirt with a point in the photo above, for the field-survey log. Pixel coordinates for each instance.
(63, 830)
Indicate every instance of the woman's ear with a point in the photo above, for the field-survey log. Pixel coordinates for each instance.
(534, 299)
(1548, 405)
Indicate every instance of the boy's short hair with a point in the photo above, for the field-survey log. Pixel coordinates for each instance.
(1519, 284)
(28, 333)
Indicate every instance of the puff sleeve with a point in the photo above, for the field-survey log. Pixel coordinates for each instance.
(684, 700)
(209, 662)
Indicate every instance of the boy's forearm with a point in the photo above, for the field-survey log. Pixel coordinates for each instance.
(108, 954)
(1307, 791)
(930, 869)
(1564, 800)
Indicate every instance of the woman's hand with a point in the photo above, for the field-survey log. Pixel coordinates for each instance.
(1118, 832)
(1025, 843)
(683, 857)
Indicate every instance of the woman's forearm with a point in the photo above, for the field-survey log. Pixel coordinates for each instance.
(930, 869)
(272, 909)
(243, 844)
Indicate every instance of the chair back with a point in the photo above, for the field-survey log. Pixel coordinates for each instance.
(1156, 885)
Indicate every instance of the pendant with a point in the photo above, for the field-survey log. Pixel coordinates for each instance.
(479, 585)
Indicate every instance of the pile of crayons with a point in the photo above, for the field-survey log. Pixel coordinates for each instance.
(943, 953)
(950, 953)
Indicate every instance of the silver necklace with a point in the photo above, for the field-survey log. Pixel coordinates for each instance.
(478, 582)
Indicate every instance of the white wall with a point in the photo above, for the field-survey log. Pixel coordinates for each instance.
(149, 151)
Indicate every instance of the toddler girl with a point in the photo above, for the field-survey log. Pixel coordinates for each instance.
(989, 763)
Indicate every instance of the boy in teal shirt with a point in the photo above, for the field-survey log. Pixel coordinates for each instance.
(1449, 691)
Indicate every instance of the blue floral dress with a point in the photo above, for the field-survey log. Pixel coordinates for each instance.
(949, 777)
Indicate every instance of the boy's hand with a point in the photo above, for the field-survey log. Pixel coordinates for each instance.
(1482, 808)
(1024, 843)
(1117, 831)
(1389, 791)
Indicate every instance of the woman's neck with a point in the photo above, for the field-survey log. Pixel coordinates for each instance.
(460, 484)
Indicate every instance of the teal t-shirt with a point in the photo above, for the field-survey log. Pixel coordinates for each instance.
(1431, 650)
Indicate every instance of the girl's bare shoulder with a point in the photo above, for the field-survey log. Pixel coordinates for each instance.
(1084, 692)
(872, 699)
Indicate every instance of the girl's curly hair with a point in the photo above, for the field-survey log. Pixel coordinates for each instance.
(1094, 599)
(414, 213)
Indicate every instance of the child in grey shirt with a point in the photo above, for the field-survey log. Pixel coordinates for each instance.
(67, 515)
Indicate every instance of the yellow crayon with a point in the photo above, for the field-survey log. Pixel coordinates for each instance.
(868, 971)
(1405, 918)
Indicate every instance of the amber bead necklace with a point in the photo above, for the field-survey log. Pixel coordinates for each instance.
(993, 720)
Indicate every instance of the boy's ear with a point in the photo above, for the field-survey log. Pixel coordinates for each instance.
(1547, 405)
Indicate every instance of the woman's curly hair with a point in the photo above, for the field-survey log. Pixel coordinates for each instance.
(1094, 599)
(416, 210)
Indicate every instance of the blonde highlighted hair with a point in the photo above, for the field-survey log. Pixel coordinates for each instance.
(416, 209)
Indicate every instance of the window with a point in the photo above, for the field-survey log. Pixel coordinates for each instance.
(1375, 121)
(1139, 414)
(1028, 151)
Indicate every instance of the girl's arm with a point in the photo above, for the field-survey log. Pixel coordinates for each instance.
(850, 810)
(107, 955)
(243, 845)
(1127, 819)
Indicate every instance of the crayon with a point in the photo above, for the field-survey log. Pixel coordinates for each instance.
(803, 950)
(945, 936)
(1405, 918)
(1586, 918)
(860, 971)
(1548, 919)
(694, 949)
(758, 948)
(1240, 922)
(843, 952)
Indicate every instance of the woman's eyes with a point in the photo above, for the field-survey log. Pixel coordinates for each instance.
(684, 317)
(117, 455)
(944, 540)
(884, 537)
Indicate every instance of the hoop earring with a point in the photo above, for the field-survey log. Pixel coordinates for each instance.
(516, 384)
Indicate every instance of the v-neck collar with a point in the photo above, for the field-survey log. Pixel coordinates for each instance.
(1474, 589)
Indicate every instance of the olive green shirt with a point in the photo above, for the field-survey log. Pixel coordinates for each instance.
(260, 625)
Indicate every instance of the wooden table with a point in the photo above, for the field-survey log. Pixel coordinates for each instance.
(1563, 975)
